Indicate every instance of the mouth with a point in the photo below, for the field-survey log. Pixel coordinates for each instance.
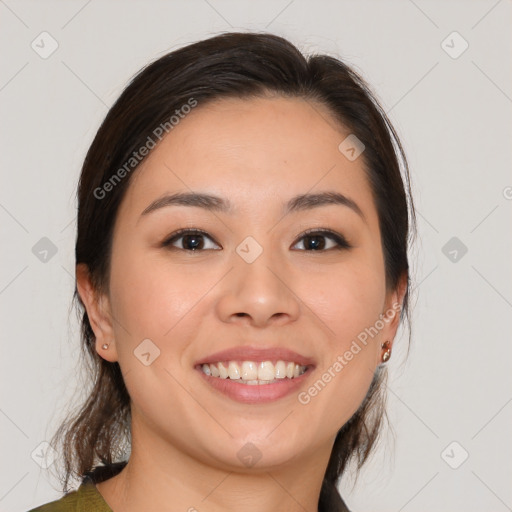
(251, 375)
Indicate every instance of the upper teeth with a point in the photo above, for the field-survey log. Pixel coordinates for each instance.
(251, 372)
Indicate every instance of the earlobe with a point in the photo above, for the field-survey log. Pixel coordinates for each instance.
(98, 311)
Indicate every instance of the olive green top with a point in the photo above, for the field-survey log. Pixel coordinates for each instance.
(85, 499)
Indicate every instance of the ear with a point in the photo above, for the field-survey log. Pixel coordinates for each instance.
(99, 312)
(392, 311)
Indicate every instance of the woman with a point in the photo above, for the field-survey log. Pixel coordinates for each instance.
(242, 267)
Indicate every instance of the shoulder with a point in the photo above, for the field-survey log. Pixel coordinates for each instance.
(67, 502)
(85, 498)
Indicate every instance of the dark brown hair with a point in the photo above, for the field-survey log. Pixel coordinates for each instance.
(241, 65)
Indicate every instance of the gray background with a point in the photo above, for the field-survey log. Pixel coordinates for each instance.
(452, 111)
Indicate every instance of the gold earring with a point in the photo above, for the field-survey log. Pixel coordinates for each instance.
(387, 353)
(104, 346)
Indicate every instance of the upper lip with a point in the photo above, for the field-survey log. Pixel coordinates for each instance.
(247, 353)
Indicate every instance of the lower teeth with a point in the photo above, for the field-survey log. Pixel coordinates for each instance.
(256, 382)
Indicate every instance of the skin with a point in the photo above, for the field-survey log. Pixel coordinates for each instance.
(185, 435)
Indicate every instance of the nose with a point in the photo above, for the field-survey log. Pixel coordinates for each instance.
(258, 294)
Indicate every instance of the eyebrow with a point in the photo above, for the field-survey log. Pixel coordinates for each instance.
(213, 203)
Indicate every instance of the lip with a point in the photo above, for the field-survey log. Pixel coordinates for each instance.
(257, 355)
(261, 393)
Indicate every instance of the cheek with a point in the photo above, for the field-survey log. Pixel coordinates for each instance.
(347, 301)
(149, 294)
(154, 301)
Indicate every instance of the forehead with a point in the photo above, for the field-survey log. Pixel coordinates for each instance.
(251, 150)
(263, 128)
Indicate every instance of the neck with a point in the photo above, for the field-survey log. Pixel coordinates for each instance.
(161, 477)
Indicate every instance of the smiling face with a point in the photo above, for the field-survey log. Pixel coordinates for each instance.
(262, 173)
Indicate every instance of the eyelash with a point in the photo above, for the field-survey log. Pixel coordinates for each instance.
(337, 238)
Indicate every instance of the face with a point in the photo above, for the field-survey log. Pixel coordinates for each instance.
(288, 294)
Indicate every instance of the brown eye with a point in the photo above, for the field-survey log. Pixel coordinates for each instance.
(315, 240)
(189, 240)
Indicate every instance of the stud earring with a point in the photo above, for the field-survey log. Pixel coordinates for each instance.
(387, 353)
(104, 346)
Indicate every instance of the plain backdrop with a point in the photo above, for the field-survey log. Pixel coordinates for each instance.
(442, 71)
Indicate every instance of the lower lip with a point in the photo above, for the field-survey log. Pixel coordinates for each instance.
(258, 393)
